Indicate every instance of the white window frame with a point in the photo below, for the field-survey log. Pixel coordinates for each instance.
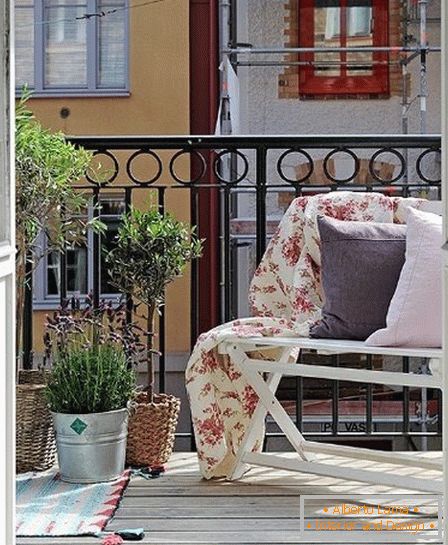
(44, 301)
(92, 41)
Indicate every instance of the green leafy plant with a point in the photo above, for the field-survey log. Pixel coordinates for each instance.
(92, 380)
(47, 167)
(151, 250)
(92, 351)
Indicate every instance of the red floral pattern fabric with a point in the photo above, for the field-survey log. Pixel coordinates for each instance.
(286, 299)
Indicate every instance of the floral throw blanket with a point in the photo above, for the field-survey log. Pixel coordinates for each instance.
(286, 298)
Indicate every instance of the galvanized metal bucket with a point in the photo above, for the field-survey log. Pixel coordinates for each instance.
(91, 447)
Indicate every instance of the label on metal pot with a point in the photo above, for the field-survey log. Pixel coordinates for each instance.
(78, 426)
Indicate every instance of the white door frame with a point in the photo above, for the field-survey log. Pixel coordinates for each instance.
(7, 277)
(445, 263)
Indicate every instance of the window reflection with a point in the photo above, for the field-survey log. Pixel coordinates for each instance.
(343, 24)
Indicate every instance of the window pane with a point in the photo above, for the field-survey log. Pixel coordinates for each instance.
(112, 46)
(359, 34)
(24, 43)
(77, 270)
(65, 44)
(327, 33)
(111, 210)
(53, 273)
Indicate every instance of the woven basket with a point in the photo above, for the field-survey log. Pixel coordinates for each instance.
(151, 430)
(35, 442)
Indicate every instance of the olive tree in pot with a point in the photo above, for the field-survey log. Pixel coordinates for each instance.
(91, 382)
(152, 249)
(50, 217)
(47, 167)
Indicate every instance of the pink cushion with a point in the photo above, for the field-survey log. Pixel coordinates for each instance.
(414, 317)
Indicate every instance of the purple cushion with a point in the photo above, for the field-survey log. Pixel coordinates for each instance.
(360, 266)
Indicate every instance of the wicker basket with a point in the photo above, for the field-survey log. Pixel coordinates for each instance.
(35, 442)
(151, 430)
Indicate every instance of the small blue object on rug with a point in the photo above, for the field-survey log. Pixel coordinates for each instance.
(47, 506)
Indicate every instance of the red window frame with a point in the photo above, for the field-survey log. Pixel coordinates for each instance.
(376, 83)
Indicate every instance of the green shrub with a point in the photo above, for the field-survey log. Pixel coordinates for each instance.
(92, 380)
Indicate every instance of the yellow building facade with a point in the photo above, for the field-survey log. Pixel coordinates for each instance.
(157, 102)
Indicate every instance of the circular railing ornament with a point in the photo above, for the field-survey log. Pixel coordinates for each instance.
(349, 152)
(284, 155)
(114, 170)
(217, 162)
(140, 153)
(418, 166)
(192, 153)
(393, 152)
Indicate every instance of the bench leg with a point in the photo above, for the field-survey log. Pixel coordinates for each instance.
(253, 430)
(268, 401)
(257, 421)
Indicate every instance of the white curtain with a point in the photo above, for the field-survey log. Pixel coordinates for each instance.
(359, 21)
(333, 23)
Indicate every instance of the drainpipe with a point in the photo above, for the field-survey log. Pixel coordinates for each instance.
(204, 97)
(405, 89)
(224, 42)
(423, 4)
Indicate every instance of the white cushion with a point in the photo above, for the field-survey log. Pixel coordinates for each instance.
(414, 317)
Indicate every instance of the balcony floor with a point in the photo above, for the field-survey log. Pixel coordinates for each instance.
(180, 507)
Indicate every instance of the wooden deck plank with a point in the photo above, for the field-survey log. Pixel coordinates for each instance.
(205, 538)
(203, 502)
(181, 508)
(242, 524)
(227, 512)
(192, 538)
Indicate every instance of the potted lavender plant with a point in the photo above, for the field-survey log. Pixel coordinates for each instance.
(91, 382)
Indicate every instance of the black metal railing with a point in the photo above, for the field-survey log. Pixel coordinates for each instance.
(235, 189)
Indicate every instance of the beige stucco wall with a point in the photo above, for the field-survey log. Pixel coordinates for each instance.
(158, 104)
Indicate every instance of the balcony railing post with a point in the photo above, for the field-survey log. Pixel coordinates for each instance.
(162, 315)
(194, 295)
(227, 255)
(129, 301)
(63, 279)
(261, 202)
(27, 333)
(96, 251)
(194, 285)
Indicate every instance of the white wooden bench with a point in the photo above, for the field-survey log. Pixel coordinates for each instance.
(264, 377)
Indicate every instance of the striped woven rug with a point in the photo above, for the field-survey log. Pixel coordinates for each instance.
(46, 506)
